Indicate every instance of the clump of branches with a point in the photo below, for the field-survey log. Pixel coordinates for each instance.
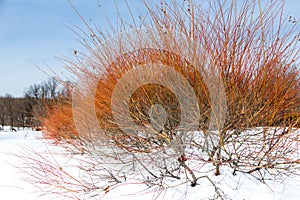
(199, 87)
(59, 123)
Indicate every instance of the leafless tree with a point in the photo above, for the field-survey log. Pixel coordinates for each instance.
(2, 112)
(10, 108)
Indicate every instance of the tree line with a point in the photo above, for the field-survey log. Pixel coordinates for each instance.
(27, 111)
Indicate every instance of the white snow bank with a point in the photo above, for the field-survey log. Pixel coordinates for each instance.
(241, 186)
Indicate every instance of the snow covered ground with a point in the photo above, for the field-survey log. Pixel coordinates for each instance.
(12, 187)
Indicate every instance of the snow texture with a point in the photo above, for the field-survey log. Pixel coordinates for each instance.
(241, 186)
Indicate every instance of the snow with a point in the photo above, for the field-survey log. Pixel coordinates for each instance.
(11, 185)
(241, 186)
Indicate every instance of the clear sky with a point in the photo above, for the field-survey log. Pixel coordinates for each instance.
(34, 31)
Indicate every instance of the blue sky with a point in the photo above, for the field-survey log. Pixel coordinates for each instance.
(34, 31)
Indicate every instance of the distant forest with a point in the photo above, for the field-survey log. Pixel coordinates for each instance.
(28, 111)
